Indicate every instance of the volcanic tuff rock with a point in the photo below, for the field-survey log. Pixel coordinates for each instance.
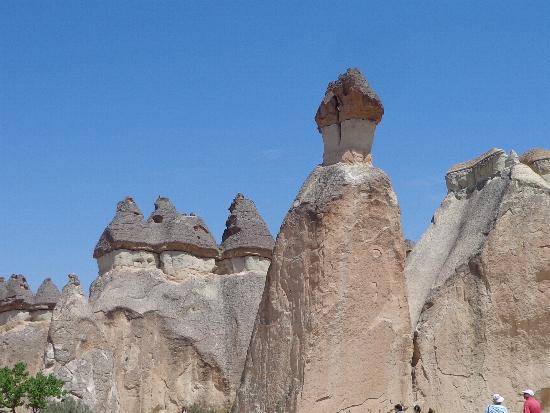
(332, 333)
(77, 351)
(479, 284)
(347, 118)
(24, 321)
(165, 230)
(246, 233)
(161, 329)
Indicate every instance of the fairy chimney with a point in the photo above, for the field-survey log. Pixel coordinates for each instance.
(247, 243)
(347, 118)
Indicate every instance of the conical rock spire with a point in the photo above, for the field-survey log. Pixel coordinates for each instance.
(47, 293)
(246, 233)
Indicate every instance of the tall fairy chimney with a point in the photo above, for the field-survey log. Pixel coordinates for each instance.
(347, 118)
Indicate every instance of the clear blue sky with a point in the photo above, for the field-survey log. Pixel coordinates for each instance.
(198, 100)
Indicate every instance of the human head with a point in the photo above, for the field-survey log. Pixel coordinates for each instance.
(497, 398)
(417, 408)
(528, 393)
(398, 408)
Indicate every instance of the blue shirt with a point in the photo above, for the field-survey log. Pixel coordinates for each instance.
(496, 408)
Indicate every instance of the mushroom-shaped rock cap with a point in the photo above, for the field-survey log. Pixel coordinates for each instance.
(18, 289)
(127, 229)
(349, 97)
(165, 230)
(47, 293)
(171, 231)
(246, 233)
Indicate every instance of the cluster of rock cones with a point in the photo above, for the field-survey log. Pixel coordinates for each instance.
(341, 314)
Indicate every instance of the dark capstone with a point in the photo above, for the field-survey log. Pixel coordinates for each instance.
(47, 293)
(165, 230)
(246, 233)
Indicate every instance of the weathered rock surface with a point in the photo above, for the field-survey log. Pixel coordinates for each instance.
(479, 283)
(333, 331)
(24, 321)
(163, 328)
(165, 230)
(246, 233)
(347, 118)
(176, 342)
(538, 159)
(77, 351)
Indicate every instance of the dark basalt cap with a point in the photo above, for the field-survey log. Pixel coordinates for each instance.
(246, 233)
(47, 293)
(349, 97)
(128, 229)
(18, 290)
(165, 230)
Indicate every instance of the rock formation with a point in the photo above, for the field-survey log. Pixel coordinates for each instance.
(246, 241)
(347, 118)
(352, 318)
(332, 333)
(168, 321)
(24, 320)
(78, 353)
(479, 283)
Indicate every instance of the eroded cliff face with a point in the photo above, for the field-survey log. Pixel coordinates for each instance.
(176, 342)
(167, 324)
(332, 333)
(479, 288)
(333, 330)
(24, 321)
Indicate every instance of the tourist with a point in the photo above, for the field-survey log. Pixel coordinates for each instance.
(496, 406)
(399, 408)
(531, 405)
(417, 408)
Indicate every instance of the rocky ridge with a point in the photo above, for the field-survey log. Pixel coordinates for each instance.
(478, 282)
(334, 305)
(24, 320)
(353, 318)
(168, 319)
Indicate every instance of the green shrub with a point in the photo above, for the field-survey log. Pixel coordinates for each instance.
(68, 405)
(17, 388)
(200, 408)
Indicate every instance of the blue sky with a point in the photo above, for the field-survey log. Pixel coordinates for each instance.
(200, 100)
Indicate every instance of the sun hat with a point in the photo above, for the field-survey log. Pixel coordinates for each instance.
(497, 398)
(529, 392)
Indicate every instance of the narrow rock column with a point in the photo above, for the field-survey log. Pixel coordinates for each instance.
(332, 333)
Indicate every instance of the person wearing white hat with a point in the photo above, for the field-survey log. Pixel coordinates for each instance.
(531, 405)
(496, 406)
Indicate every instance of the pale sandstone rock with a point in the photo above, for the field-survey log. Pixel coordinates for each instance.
(24, 321)
(332, 333)
(179, 264)
(78, 353)
(467, 175)
(176, 342)
(539, 160)
(347, 118)
(479, 283)
(127, 259)
(243, 264)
